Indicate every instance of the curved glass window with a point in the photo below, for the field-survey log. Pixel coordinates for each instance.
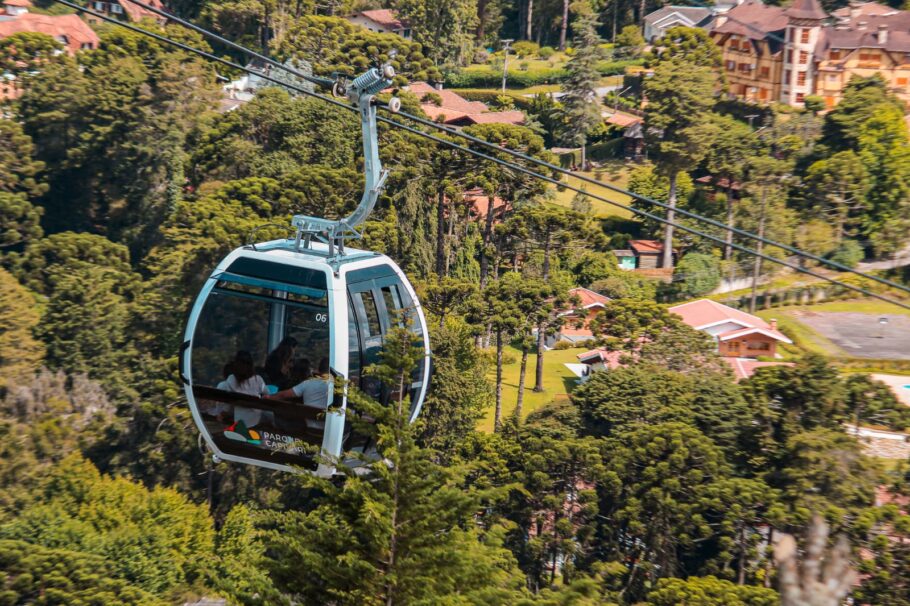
(260, 356)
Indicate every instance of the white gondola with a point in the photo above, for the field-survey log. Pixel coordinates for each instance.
(331, 303)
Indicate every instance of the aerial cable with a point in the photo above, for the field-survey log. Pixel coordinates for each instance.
(509, 165)
(532, 159)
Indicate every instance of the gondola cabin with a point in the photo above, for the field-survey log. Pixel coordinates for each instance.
(306, 321)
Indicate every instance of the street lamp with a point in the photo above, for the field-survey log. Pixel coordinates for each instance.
(882, 323)
(505, 61)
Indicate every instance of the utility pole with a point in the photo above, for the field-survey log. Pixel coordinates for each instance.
(505, 61)
(756, 270)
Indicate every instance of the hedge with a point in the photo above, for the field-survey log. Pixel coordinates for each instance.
(488, 77)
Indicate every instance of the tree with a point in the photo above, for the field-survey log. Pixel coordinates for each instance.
(64, 576)
(580, 110)
(24, 53)
(696, 274)
(403, 533)
(841, 182)
(630, 37)
(20, 221)
(20, 353)
(444, 28)
(21, 171)
(871, 401)
(692, 45)
(732, 144)
(651, 496)
(709, 591)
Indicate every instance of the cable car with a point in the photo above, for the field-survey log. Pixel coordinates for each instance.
(279, 325)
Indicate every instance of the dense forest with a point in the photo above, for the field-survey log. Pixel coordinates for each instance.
(661, 482)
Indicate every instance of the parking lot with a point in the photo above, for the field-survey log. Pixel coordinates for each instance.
(862, 335)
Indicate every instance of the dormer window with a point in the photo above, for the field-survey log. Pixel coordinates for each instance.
(116, 8)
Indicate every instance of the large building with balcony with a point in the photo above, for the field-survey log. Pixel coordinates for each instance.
(775, 54)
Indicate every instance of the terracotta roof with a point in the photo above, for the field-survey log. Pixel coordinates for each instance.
(507, 117)
(570, 331)
(722, 182)
(136, 12)
(480, 203)
(646, 246)
(806, 9)
(20, 3)
(455, 109)
(385, 18)
(706, 312)
(866, 33)
(864, 9)
(588, 297)
(70, 28)
(623, 120)
(742, 332)
(744, 368)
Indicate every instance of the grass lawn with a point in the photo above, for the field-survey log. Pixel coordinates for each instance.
(557, 380)
(614, 173)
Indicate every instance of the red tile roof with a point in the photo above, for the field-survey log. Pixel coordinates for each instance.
(623, 120)
(20, 3)
(806, 9)
(480, 204)
(744, 368)
(136, 12)
(704, 313)
(647, 246)
(385, 18)
(589, 298)
(752, 19)
(456, 109)
(74, 30)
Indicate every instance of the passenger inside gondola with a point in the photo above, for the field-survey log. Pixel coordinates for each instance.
(243, 379)
(280, 363)
(314, 391)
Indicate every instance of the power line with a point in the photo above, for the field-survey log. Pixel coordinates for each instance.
(504, 163)
(537, 161)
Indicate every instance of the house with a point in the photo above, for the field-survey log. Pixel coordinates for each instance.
(69, 30)
(626, 258)
(773, 54)
(598, 359)
(658, 22)
(450, 108)
(126, 10)
(479, 205)
(576, 328)
(383, 21)
(738, 334)
(649, 254)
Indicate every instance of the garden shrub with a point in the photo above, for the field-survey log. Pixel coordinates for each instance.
(525, 48)
(546, 52)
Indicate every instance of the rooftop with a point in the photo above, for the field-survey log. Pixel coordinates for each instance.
(72, 31)
(753, 19)
(455, 109)
(384, 17)
(806, 9)
(705, 313)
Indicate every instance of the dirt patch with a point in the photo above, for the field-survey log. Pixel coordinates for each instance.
(861, 335)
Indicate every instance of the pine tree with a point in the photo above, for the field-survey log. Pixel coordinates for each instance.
(400, 531)
(581, 111)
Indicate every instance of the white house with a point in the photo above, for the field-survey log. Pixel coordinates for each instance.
(383, 21)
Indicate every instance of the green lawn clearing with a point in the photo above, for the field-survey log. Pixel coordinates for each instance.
(557, 381)
(614, 173)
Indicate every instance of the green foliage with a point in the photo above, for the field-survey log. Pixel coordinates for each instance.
(156, 540)
(696, 274)
(873, 402)
(486, 77)
(30, 574)
(404, 532)
(331, 44)
(691, 45)
(626, 285)
(526, 48)
(23, 52)
(814, 103)
(630, 37)
(580, 112)
(20, 353)
(21, 171)
(546, 52)
(848, 253)
(20, 221)
(709, 591)
(646, 181)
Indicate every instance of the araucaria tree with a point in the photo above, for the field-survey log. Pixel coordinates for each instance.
(581, 112)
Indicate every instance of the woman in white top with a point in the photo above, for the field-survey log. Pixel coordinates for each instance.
(243, 379)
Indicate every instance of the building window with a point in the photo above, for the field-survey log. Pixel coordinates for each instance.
(763, 93)
(800, 97)
(902, 82)
(804, 36)
(789, 55)
(734, 44)
(834, 55)
(744, 67)
(869, 57)
(803, 57)
(800, 78)
(759, 345)
(731, 66)
(765, 72)
(787, 76)
(99, 6)
(116, 8)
